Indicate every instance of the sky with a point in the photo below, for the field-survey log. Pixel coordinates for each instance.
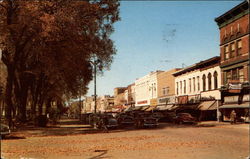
(161, 35)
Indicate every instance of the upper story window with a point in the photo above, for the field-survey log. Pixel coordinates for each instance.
(232, 46)
(228, 76)
(241, 75)
(209, 77)
(198, 83)
(190, 85)
(177, 88)
(184, 83)
(194, 83)
(238, 27)
(204, 82)
(215, 80)
(165, 91)
(239, 46)
(180, 87)
(226, 52)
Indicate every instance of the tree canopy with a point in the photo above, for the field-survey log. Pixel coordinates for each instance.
(47, 47)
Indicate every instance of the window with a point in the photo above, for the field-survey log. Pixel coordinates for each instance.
(209, 81)
(194, 83)
(177, 88)
(231, 29)
(180, 87)
(215, 80)
(198, 83)
(239, 46)
(232, 46)
(241, 75)
(190, 89)
(165, 91)
(238, 27)
(228, 76)
(226, 52)
(234, 74)
(184, 83)
(204, 82)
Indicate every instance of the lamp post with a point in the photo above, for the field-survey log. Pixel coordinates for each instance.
(94, 64)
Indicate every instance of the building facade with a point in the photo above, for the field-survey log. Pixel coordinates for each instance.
(197, 87)
(146, 89)
(166, 87)
(234, 52)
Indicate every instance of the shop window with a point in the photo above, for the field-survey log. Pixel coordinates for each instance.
(209, 77)
(204, 82)
(226, 52)
(215, 80)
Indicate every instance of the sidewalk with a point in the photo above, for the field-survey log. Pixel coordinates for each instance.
(226, 124)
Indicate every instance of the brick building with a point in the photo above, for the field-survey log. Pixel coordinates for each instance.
(234, 52)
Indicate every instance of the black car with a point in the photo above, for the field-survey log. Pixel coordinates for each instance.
(143, 120)
(125, 120)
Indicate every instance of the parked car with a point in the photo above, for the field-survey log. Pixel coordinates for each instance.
(125, 120)
(106, 121)
(185, 118)
(145, 120)
(5, 130)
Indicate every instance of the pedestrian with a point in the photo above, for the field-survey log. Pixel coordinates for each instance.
(233, 117)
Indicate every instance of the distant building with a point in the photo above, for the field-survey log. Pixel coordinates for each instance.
(234, 52)
(146, 93)
(119, 97)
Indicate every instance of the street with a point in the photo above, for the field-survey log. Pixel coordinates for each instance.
(207, 140)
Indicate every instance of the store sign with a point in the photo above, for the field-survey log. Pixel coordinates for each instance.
(231, 99)
(182, 99)
(234, 86)
(194, 98)
(167, 100)
(153, 102)
(142, 102)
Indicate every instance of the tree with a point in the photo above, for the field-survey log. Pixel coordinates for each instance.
(47, 46)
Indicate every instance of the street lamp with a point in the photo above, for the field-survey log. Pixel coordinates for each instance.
(95, 63)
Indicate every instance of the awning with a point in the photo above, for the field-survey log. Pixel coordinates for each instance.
(207, 105)
(129, 108)
(137, 108)
(145, 107)
(150, 108)
(243, 105)
(164, 107)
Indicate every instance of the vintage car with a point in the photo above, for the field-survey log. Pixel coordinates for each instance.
(5, 130)
(185, 118)
(106, 121)
(143, 120)
(125, 120)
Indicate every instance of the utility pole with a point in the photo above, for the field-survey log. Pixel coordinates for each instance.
(95, 63)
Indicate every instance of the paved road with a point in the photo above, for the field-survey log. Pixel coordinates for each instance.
(208, 140)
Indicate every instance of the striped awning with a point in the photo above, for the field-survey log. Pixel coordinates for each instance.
(207, 105)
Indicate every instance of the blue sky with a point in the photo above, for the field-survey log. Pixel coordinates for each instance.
(161, 35)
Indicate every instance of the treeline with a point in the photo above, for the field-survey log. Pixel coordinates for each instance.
(48, 47)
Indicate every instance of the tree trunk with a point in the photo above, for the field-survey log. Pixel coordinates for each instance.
(9, 89)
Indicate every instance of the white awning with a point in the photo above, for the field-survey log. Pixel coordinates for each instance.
(207, 105)
(243, 105)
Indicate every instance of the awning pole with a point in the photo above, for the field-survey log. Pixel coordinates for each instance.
(218, 112)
